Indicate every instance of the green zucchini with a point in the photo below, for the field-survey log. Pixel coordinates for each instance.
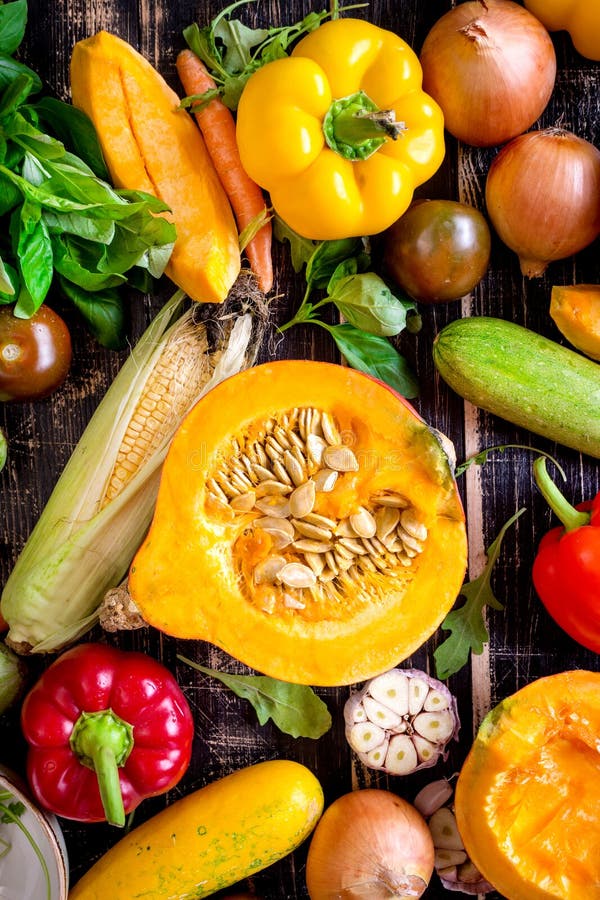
(523, 377)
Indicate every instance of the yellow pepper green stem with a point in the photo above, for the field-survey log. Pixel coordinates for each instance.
(355, 127)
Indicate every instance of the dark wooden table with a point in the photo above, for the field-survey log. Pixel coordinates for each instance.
(525, 643)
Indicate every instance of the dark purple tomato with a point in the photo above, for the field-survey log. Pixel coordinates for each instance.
(35, 354)
(438, 250)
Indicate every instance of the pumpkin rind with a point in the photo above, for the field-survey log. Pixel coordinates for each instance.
(211, 838)
(184, 579)
(151, 145)
(528, 795)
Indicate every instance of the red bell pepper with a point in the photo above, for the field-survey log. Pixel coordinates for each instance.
(566, 570)
(106, 728)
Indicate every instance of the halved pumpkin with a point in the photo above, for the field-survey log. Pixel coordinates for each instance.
(307, 522)
(528, 796)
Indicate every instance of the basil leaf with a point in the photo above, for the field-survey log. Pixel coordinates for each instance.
(34, 251)
(16, 93)
(375, 356)
(103, 312)
(367, 303)
(13, 19)
(301, 248)
(326, 258)
(98, 230)
(11, 69)
(7, 286)
(75, 130)
(80, 263)
(294, 708)
(24, 307)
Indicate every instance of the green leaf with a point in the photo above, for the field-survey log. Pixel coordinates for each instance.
(327, 257)
(103, 312)
(79, 262)
(100, 231)
(239, 41)
(468, 631)
(34, 250)
(294, 708)
(10, 196)
(367, 303)
(301, 248)
(11, 69)
(75, 130)
(375, 356)
(480, 458)
(16, 93)
(13, 19)
(253, 227)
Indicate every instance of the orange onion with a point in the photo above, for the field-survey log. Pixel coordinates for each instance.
(491, 66)
(369, 843)
(543, 196)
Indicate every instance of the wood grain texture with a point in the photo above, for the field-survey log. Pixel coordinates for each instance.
(524, 642)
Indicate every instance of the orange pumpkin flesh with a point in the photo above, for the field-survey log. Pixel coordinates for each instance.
(196, 574)
(528, 796)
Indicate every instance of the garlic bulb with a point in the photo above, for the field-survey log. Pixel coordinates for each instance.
(401, 721)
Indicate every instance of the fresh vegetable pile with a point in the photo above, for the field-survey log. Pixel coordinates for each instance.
(337, 696)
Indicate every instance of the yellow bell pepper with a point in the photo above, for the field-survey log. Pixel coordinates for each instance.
(340, 133)
(581, 18)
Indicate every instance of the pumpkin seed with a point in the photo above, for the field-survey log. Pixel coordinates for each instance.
(261, 456)
(315, 446)
(214, 498)
(302, 500)
(262, 472)
(294, 469)
(386, 518)
(340, 458)
(410, 542)
(317, 519)
(240, 481)
(292, 602)
(330, 432)
(272, 487)
(343, 562)
(302, 423)
(306, 545)
(340, 550)
(315, 532)
(345, 529)
(326, 576)
(273, 523)
(267, 569)
(297, 575)
(244, 502)
(364, 523)
(353, 545)
(412, 524)
(390, 498)
(331, 562)
(223, 479)
(325, 480)
(282, 438)
(215, 488)
(280, 472)
(274, 505)
(315, 561)
(296, 440)
(313, 424)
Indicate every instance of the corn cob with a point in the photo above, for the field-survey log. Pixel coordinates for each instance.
(103, 502)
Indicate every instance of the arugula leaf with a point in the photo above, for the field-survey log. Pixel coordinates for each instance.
(375, 356)
(367, 303)
(480, 458)
(468, 631)
(13, 19)
(294, 708)
(75, 130)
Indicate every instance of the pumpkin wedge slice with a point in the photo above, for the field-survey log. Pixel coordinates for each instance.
(528, 796)
(151, 145)
(307, 522)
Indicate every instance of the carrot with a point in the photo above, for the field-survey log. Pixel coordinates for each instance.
(218, 129)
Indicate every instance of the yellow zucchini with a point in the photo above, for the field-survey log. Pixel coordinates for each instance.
(212, 838)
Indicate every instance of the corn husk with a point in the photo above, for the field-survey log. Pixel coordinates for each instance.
(89, 531)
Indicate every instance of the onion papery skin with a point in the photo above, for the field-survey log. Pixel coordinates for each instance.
(543, 196)
(369, 844)
(491, 67)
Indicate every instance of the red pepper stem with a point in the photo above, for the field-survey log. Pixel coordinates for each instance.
(570, 517)
(102, 742)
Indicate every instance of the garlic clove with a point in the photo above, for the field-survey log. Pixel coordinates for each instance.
(433, 796)
(426, 751)
(401, 758)
(445, 858)
(436, 727)
(444, 830)
(379, 714)
(391, 689)
(417, 693)
(364, 736)
(469, 873)
(449, 874)
(375, 758)
(435, 701)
